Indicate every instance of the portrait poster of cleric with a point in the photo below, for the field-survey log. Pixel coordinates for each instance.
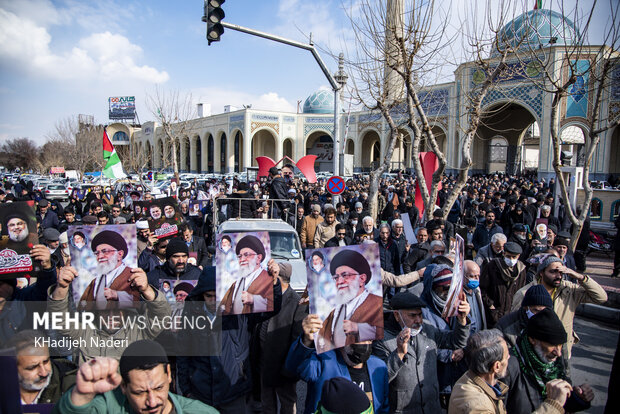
(243, 283)
(19, 234)
(163, 216)
(103, 257)
(345, 291)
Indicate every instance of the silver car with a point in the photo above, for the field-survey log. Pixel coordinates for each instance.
(56, 192)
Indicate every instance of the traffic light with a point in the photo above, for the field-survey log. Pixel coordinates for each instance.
(213, 16)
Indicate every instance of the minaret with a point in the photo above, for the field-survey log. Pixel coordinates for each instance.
(394, 30)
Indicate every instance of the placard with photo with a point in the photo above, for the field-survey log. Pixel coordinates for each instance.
(344, 288)
(243, 283)
(196, 206)
(163, 216)
(103, 255)
(19, 234)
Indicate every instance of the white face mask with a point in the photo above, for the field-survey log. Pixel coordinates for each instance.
(414, 332)
(529, 313)
(510, 262)
(354, 222)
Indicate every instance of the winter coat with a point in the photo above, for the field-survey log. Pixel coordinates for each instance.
(414, 386)
(482, 235)
(315, 369)
(471, 394)
(323, 233)
(63, 377)
(215, 368)
(485, 255)
(566, 298)
(307, 230)
(497, 292)
(388, 253)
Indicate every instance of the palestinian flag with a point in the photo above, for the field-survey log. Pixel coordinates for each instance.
(113, 167)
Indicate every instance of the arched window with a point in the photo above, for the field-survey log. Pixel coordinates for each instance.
(120, 136)
(596, 209)
(615, 211)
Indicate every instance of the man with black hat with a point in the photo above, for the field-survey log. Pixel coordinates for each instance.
(499, 281)
(48, 218)
(253, 290)
(518, 234)
(112, 280)
(51, 238)
(339, 395)
(144, 385)
(536, 361)
(175, 266)
(512, 324)
(357, 316)
(562, 245)
(566, 295)
(409, 348)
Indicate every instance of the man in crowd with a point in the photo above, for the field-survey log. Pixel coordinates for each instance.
(388, 251)
(195, 245)
(536, 361)
(176, 266)
(500, 280)
(418, 251)
(494, 250)
(409, 348)
(566, 295)
(309, 226)
(367, 231)
(42, 380)
(144, 381)
(326, 229)
(484, 232)
(471, 287)
(340, 239)
(47, 218)
(251, 292)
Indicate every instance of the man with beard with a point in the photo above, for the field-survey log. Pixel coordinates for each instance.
(493, 250)
(353, 362)
(48, 218)
(143, 234)
(486, 230)
(367, 231)
(309, 226)
(155, 215)
(357, 316)
(409, 348)
(42, 380)
(326, 229)
(112, 282)
(252, 292)
(566, 295)
(169, 212)
(195, 245)
(176, 266)
(536, 361)
(418, 251)
(145, 377)
(19, 236)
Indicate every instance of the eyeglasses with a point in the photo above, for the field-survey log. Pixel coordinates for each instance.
(105, 252)
(246, 255)
(345, 276)
(342, 234)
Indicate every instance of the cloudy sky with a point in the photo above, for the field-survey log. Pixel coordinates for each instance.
(66, 57)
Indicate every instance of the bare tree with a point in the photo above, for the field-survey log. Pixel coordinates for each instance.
(20, 153)
(173, 112)
(398, 52)
(579, 69)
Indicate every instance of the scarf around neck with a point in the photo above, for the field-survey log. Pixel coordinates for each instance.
(532, 365)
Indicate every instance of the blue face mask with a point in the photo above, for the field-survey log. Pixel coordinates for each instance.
(472, 284)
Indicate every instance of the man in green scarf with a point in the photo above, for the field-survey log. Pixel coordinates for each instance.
(535, 363)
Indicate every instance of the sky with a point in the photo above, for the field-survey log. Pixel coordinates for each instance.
(63, 58)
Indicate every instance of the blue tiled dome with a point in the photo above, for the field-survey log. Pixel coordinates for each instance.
(536, 28)
(320, 102)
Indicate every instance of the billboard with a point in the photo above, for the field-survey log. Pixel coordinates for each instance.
(122, 107)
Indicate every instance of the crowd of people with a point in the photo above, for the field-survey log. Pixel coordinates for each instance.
(508, 350)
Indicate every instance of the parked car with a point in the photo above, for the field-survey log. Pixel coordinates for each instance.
(56, 192)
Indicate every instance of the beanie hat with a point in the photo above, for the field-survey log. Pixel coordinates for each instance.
(176, 245)
(142, 353)
(547, 262)
(547, 327)
(537, 295)
(340, 395)
(442, 275)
